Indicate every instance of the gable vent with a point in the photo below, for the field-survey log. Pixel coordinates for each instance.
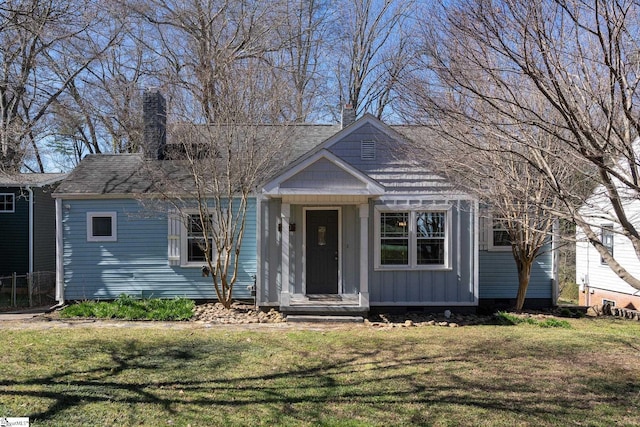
(368, 150)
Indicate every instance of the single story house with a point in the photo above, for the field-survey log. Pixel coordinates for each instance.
(351, 224)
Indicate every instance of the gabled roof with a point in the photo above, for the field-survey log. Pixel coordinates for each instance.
(367, 186)
(402, 173)
(338, 134)
(113, 175)
(31, 179)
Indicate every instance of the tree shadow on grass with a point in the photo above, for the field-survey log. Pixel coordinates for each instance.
(203, 375)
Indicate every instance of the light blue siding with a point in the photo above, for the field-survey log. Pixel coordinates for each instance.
(499, 276)
(137, 263)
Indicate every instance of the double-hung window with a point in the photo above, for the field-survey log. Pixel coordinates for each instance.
(416, 238)
(607, 239)
(7, 202)
(499, 235)
(194, 241)
(394, 238)
(430, 235)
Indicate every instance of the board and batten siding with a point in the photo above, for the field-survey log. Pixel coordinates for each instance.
(452, 287)
(137, 263)
(14, 228)
(44, 230)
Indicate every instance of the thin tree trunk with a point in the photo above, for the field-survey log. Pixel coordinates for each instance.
(524, 274)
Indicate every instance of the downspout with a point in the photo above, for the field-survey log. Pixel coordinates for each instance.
(555, 238)
(31, 227)
(59, 254)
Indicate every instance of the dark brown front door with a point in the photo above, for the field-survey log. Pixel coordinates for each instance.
(322, 252)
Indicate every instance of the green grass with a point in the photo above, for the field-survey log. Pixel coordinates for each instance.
(506, 318)
(128, 308)
(488, 375)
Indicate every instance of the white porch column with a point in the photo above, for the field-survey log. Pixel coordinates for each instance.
(285, 214)
(364, 255)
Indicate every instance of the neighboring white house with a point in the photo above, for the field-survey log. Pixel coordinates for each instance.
(599, 285)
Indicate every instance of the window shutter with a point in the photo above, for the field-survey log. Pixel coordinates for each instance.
(173, 236)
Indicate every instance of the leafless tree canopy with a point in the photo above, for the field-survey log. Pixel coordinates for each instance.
(44, 47)
(531, 71)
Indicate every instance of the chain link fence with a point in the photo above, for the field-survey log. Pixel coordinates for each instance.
(36, 289)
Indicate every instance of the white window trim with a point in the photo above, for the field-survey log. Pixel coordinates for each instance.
(491, 247)
(13, 204)
(184, 240)
(114, 227)
(413, 256)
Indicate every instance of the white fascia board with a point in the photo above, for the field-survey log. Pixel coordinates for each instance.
(372, 187)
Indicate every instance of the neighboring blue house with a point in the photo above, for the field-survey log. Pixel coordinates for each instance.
(349, 226)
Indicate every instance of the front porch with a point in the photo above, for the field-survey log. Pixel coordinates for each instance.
(326, 304)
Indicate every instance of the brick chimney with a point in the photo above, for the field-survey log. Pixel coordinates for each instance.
(154, 116)
(348, 115)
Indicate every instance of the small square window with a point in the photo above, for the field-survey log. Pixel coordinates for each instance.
(102, 227)
(7, 202)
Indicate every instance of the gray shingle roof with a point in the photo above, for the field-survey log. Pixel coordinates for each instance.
(107, 174)
(114, 174)
(31, 179)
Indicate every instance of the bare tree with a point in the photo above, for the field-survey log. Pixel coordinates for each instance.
(224, 160)
(581, 59)
(99, 111)
(227, 134)
(373, 52)
(306, 36)
(45, 46)
(492, 163)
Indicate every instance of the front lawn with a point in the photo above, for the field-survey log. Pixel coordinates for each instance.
(474, 375)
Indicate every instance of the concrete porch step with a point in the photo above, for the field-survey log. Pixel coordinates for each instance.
(306, 318)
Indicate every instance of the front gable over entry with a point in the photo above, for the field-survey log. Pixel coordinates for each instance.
(323, 174)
